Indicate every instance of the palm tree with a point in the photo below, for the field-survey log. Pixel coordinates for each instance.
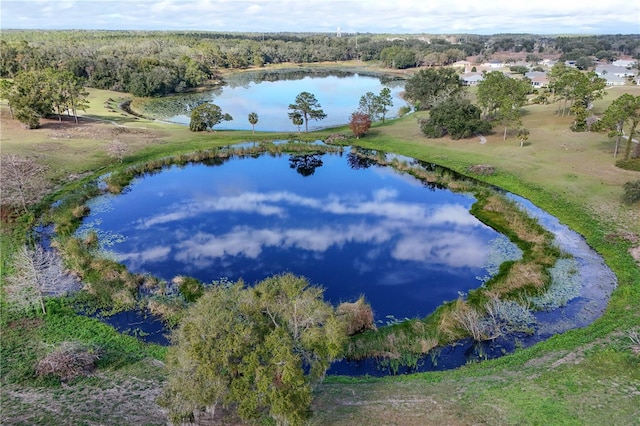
(523, 135)
(253, 119)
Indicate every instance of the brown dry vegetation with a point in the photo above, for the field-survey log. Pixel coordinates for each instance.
(357, 315)
(68, 361)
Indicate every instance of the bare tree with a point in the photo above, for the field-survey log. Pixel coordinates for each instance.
(37, 273)
(117, 149)
(23, 181)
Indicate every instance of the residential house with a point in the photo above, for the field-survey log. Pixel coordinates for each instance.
(494, 64)
(604, 70)
(465, 66)
(614, 80)
(538, 79)
(625, 63)
(471, 78)
(548, 62)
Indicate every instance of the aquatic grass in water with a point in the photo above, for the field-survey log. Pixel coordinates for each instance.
(105, 238)
(565, 285)
(507, 317)
(502, 250)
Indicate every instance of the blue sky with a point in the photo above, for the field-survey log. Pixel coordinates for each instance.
(373, 16)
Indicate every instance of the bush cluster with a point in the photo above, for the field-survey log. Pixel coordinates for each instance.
(631, 192)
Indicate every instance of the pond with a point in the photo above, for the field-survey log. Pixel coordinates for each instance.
(348, 225)
(269, 94)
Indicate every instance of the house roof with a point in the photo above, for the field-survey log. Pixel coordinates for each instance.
(472, 76)
(536, 74)
(624, 62)
(613, 69)
(612, 78)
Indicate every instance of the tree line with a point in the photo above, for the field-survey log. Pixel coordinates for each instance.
(159, 63)
(33, 94)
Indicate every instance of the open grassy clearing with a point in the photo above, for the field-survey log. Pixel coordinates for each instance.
(573, 167)
(586, 376)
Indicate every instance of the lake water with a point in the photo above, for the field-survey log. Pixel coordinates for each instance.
(269, 95)
(350, 226)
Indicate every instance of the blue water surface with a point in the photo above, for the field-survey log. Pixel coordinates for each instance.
(338, 96)
(354, 231)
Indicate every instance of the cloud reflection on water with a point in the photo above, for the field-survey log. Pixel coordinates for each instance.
(382, 204)
(409, 231)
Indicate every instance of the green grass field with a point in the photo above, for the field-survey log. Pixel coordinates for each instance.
(589, 376)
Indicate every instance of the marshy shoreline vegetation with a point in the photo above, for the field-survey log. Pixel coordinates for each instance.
(603, 348)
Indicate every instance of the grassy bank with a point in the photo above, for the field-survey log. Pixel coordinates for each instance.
(586, 376)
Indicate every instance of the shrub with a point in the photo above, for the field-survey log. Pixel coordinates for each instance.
(631, 164)
(357, 315)
(458, 118)
(190, 288)
(336, 138)
(80, 211)
(634, 336)
(482, 170)
(404, 110)
(68, 361)
(631, 192)
(359, 124)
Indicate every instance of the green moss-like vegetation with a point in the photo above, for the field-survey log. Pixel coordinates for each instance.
(27, 339)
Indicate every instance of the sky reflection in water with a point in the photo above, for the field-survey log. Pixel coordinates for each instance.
(338, 96)
(371, 231)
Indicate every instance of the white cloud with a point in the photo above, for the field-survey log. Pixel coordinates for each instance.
(376, 16)
(455, 249)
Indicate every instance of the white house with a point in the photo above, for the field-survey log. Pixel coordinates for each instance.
(471, 78)
(614, 80)
(538, 78)
(494, 64)
(462, 64)
(604, 70)
(625, 63)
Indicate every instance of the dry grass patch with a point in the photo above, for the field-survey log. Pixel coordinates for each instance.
(357, 315)
(482, 170)
(69, 361)
(516, 221)
(167, 309)
(465, 317)
(522, 276)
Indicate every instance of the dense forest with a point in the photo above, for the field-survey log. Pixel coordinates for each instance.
(153, 63)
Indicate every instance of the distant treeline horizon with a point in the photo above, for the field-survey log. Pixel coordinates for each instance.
(157, 63)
